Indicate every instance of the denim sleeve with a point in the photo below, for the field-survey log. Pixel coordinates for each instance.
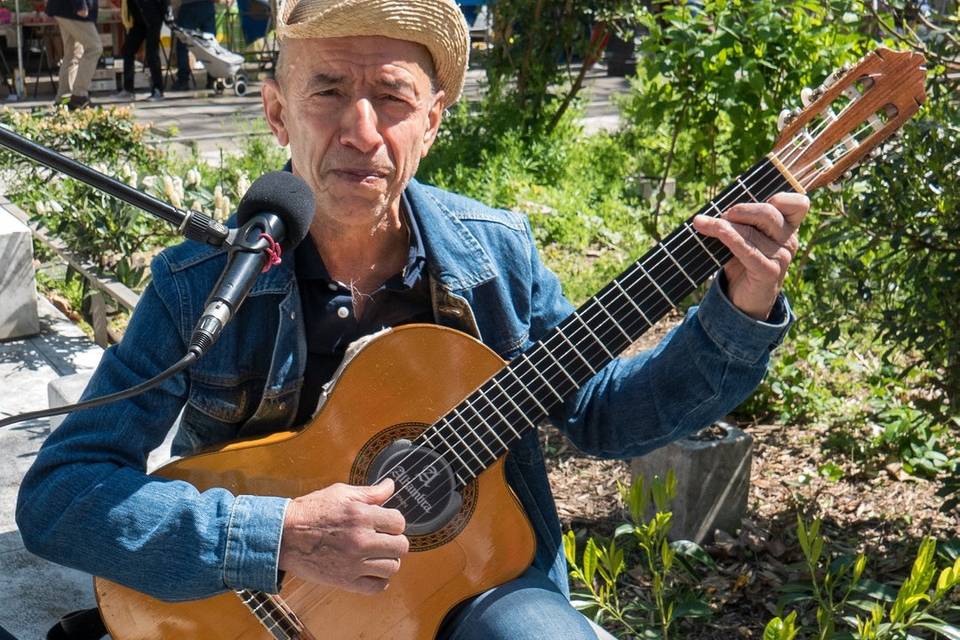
(87, 503)
(697, 374)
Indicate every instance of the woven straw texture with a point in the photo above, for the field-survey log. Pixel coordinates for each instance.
(438, 25)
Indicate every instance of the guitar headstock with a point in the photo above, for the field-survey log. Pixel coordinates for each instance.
(854, 110)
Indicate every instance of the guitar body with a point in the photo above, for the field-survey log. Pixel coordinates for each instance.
(400, 382)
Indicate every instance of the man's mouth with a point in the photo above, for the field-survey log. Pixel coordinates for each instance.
(359, 174)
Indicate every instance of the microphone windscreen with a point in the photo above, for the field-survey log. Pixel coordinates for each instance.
(287, 196)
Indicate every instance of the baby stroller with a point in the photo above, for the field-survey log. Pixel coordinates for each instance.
(223, 65)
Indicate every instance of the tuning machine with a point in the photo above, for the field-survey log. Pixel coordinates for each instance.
(785, 118)
(808, 96)
(834, 77)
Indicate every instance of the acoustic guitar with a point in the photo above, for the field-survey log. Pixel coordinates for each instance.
(448, 408)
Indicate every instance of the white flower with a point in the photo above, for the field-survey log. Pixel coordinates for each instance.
(218, 198)
(132, 178)
(168, 189)
(196, 206)
(193, 177)
(225, 209)
(41, 208)
(150, 182)
(243, 184)
(55, 206)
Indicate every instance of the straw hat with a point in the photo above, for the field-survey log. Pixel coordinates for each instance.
(438, 25)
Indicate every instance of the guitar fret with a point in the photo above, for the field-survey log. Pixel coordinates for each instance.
(537, 372)
(654, 282)
(574, 349)
(715, 208)
(614, 321)
(524, 387)
(746, 189)
(560, 366)
(577, 315)
(696, 236)
(475, 435)
(453, 430)
(484, 420)
(446, 445)
(674, 260)
(499, 413)
(616, 283)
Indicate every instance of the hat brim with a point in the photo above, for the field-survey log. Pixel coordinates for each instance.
(438, 25)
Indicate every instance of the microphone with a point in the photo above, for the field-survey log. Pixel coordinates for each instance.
(275, 216)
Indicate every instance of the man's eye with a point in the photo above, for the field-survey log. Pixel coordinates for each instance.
(325, 93)
(393, 98)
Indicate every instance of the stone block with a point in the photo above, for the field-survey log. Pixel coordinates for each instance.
(18, 285)
(713, 480)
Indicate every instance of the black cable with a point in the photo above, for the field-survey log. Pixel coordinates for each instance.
(184, 362)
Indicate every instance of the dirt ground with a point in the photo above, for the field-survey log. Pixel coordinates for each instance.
(883, 512)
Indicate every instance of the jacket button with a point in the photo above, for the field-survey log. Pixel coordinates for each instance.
(343, 312)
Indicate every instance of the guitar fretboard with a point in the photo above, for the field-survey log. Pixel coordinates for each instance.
(481, 428)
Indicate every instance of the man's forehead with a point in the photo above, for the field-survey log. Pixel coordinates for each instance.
(363, 54)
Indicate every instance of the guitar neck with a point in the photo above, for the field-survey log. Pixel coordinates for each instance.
(480, 429)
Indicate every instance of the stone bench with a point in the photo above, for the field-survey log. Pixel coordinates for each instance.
(18, 286)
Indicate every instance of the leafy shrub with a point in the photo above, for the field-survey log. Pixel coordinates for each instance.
(665, 595)
(841, 597)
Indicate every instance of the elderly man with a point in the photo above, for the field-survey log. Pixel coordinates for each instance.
(359, 96)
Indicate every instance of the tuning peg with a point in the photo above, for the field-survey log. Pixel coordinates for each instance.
(808, 95)
(785, 118)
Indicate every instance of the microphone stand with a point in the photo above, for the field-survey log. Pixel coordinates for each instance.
(192, 224)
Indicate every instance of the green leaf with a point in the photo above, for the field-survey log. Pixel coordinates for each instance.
(590, 553)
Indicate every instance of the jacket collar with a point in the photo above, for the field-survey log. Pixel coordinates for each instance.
(454, 255)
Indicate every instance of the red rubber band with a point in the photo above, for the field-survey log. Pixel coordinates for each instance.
(274, 253)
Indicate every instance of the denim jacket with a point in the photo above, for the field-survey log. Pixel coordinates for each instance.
(87, 503)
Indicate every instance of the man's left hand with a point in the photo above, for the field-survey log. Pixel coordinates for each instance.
(763, 240)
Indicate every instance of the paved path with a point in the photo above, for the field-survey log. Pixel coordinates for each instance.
(35, 593)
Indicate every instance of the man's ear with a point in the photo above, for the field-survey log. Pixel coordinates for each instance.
(434, 118)
(273, 110)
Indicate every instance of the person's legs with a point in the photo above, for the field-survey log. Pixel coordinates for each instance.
(89, 38)
(131, 45)
(190, 16)
(153, 56)
(68, 66)
(530, 607)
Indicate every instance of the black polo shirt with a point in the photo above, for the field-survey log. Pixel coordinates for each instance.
(328, 309)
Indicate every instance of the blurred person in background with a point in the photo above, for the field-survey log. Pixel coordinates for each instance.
(77, 20)
(146, 17)
(192, 14)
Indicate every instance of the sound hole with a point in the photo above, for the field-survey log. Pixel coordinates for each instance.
(425, 501)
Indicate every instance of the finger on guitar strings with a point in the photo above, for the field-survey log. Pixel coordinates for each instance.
(793, 206)
(753, 248)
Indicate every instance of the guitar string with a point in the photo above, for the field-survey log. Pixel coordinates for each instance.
(666, 248)
(504, 391)
(593, 312)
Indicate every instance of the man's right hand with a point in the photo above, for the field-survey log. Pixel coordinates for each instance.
(342, 536)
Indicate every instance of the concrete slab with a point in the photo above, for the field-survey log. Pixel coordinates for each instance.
(37, 592)
(18, 284)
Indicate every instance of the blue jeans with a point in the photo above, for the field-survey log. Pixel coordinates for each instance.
(193, 15)
(530, 607)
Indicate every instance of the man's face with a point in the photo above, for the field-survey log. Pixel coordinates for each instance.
(358, 113)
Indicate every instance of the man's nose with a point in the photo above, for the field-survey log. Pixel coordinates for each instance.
(358, 127)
